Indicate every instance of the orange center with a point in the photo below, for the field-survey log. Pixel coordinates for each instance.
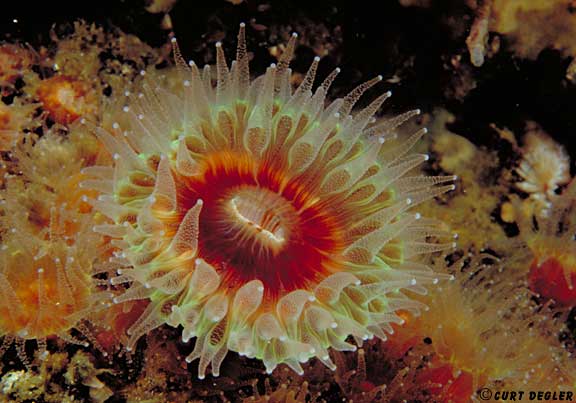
(256, 223)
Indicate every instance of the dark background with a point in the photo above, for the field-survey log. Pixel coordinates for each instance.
(414, 44)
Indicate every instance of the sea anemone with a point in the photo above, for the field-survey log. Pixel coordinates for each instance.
(48, 245)
(551, 240)
(65, 99)
(544, 167)
(260, 220)
(484, 330)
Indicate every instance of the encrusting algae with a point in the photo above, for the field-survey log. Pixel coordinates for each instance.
(53, 380)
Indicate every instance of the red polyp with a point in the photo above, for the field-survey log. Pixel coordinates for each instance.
(445, 386)
(257, 224)
(548, 279)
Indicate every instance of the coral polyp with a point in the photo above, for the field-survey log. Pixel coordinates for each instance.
(259, 219)
(48, 246)
(551, 240)
(466, 350)
(65, 99)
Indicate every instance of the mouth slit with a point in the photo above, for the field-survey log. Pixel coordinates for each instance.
(263, 215)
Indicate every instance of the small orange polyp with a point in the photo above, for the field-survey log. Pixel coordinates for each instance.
(66, 98)
(554, 279)
(49, 248)
(45, 303)
(551, 239)
(446, 387)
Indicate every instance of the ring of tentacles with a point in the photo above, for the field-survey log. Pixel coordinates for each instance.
(263, 219)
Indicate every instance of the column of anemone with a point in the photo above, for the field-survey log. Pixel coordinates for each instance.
(336, 160)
